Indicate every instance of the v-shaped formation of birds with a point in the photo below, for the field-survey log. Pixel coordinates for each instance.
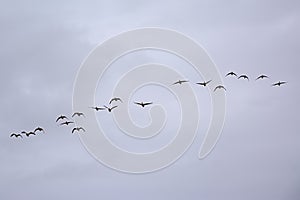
(63, 120)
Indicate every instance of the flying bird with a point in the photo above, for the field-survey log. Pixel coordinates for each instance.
(98, 108)
(28, 134)
(180, 82)
(16, 135)
(39, 129)
(244, 77)
(204, 83)
(66, 123)
(110, 108)
(61, 118)
(115, 99)
(143, 104)
(279, 83)
(78, 114)
(220, 87)
(261, 77)
(231, 74)
(78, 129)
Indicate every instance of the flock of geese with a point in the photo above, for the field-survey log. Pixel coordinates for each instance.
(233, 74)
(63, 120)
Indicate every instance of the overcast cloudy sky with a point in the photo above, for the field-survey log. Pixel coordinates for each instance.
(257, 156)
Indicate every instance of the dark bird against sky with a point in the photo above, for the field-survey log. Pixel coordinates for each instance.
(77, 114)
(204, 83)
(262, 77)
(115, 99)
(231, 74)
(244, 77)
(78, 129)
(220, 87)
(110, 108)
(66, 123)
(16, 135)
(28, 133)
(98, 108)
(180, 82)
(143, 104)
(279, 83)
(38, 129)
(61, 118)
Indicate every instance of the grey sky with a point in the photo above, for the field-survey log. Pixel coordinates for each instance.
(43, 45)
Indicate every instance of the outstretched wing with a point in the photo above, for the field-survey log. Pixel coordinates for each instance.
(113, 107)
(138, 103)
(208, 81)
(113, 99)
(177, 82)
(200, 83)
(58, 119)
(64, 123)
(149, 103)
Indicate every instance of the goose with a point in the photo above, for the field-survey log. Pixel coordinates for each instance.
(39, 129)
(115, 99)
(78, 114)
(78, 129)
(204, 83)
(143, 104)
(110, 108)
(220, 87)
(244, 77)
(61, 118)
(231, 74)
(16, 135)
(262, 77)
(66, 123)
(279, 83)
(180, 82)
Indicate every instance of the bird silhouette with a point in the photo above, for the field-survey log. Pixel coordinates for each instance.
(115, 99)
(231, 74)
(66, 123)
(61, 118)
(78, 114)
(16, 135)
(39, 129)
(180, 82)
(262, 77)
(204, 83)
(143, 104)
(110, 108)
(28, 133)
(98, 108)
(220, 87)
(279, 83)
(78, 129)
(244, 77)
